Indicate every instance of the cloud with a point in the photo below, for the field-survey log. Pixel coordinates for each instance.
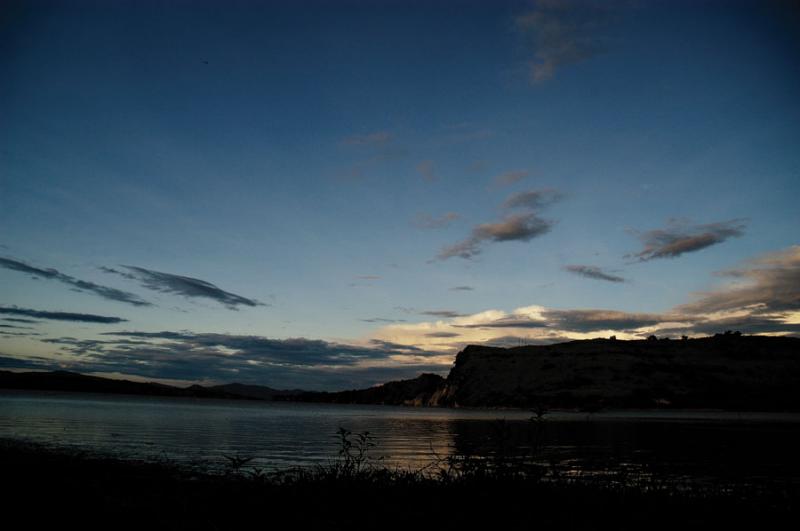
(593, 272)
(368, 139)
(747, 324)
(369, 277)
(679, 238)
(442, 334)
(510, 177)
(15, 320)
(770, 283)
(426, 169)
(18, 334)
(511, 321)
(382, 320)
(379, 155)
(448, 314)
(562, 33)
(762, 296)
(427, 221)
(596, 320)
(519, 227)
(36, 363)
(79, 285)
(181, 285)
(284, 363)
(516, 227)
(60, 316)
(534, 199)
(462, 288)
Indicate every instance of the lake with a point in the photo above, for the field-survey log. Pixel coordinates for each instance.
(697, 445)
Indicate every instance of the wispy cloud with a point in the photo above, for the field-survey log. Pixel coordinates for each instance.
(182, 285)
(427, 221)
(679, 238)
(106, 292)
(765, 285)
(462, 288)
(449, 314)
(597, 320)
(760, 296)
(534, 199)
(294, 362)
(16, 320)
(382, 320)
(515, 227)
(426, 168)
(593, 272)
(519, 227)
(562, 33)
(375, 138)
(61, 316)
(510, 177)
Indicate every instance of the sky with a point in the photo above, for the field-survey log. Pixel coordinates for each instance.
(330, 195)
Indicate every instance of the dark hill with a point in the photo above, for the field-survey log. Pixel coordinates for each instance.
(258, 392)
(74, 382)
(414, 392)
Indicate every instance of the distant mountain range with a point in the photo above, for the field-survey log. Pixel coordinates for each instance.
(74, 382)
(727, 371)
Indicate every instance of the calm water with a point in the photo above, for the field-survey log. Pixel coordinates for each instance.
(711, 445)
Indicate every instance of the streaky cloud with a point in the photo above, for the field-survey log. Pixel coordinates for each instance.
(596, 320)
(562, 33)
(679, 238)
(183, 285)
(61, 316)
(518, 227)
(427, 221)
(515, 227)
(510, 177)
(105, 292)
(593, 272)
(427, 169)
(17, 320)
(447, 314)
(534, 199)
(768, 284)
(368, 139)
(300, 362)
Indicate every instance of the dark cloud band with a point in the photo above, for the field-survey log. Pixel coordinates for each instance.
(182, 285)
(593, 272)
(80, 285)
(61, 316)
(678, 238)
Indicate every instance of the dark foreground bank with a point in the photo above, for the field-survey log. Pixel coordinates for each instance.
(59, 487)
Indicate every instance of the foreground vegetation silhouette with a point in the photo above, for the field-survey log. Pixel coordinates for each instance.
(511, 487)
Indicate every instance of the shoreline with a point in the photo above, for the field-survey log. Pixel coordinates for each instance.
(597, 414)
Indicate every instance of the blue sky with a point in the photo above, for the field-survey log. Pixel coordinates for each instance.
(344, 167)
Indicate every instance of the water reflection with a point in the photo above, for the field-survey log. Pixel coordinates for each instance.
(720, 446)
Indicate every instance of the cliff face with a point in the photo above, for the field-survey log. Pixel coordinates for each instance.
(725, 371)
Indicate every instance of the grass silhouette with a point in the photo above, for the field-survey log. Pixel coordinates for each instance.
(504, 489)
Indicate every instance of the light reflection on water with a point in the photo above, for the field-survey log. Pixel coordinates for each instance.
(280, 435)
